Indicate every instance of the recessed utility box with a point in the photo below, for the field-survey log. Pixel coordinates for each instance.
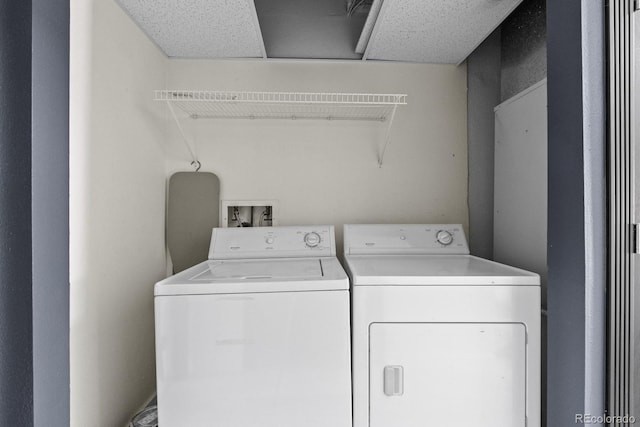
(248, 213)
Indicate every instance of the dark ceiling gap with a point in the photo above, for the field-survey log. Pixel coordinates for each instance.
(310, 28)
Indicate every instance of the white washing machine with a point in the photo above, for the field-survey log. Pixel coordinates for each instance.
(258, 335)
(440, 337)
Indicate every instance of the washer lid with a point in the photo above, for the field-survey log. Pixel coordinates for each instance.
(433, 270)
(256, 275)
(260, 269)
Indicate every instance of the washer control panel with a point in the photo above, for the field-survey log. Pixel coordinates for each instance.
(312, 239)
(272, 242)
(405, 239)
(444, 237)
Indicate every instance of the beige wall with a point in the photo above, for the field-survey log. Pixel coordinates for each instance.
(123, 148)
(327, 172)
(117, 173)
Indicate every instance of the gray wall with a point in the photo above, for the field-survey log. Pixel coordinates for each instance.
(34, 279)
(16, 369)
(576, 246)
(50, 211)
(483, 80)
(595, 200)
(566, 303)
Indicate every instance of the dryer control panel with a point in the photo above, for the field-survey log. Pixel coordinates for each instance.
(390, 239)
(272, 242)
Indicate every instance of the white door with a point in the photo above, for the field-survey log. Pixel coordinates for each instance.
(447, 375)
(623, 214)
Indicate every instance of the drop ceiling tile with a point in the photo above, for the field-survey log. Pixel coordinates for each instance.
(433, 31)
(200, 28)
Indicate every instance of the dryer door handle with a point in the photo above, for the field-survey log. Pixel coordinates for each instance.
(393, 380)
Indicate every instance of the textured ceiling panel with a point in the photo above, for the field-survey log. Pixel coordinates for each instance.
(200, 28)
(434, 31)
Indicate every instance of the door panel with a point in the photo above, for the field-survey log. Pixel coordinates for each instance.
(447, 374)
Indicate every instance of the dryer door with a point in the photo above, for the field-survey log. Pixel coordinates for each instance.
(447, 374)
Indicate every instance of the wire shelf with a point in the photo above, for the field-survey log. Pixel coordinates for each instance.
(283, 105)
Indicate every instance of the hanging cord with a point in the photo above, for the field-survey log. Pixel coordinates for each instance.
(195, 162)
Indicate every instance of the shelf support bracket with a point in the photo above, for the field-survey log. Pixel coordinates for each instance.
(192, 151)
(387, 137)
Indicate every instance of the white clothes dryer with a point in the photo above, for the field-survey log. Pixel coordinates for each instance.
(440, 337)
(258, 335)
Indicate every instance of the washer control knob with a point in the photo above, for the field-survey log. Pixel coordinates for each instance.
(312, 239)
(269, 240)
(444, 237)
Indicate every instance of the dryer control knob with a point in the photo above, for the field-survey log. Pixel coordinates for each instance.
(444, 237)
(312, 239)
